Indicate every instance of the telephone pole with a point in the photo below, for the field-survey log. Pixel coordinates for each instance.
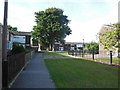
(4, 48)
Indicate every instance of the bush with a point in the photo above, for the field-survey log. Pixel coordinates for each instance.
(17, 49)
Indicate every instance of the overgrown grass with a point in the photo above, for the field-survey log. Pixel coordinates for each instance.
(55, 53)
(78, 73)
(114, 59)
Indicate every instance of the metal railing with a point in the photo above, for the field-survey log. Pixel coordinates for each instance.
(94, 55)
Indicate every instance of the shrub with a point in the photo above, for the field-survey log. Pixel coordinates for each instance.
(17, 49)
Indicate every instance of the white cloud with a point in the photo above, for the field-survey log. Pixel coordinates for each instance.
(88, 30)
(21, 17)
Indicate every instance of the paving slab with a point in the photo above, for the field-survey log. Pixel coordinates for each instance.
(35, 75)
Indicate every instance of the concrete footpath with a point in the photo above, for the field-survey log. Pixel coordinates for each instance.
(35, 75)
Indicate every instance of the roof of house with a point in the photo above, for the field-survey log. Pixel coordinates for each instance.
(71, 43)
(20, 33)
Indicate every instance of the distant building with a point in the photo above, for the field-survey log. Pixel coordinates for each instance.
(69, 46)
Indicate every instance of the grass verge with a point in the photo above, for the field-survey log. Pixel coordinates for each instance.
(55, 53)
(79, 73)
(114, 59)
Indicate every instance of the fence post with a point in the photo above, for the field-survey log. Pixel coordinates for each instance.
(76, 53)
(110, 57)
(72, 53)
(82, 53)
(79, 52)
(93, 54)
(68, 52)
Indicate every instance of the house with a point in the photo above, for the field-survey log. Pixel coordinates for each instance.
(102, 51)
(75, 45)
(17, 38)
(9, 38)
(22, 38)
(68, 46)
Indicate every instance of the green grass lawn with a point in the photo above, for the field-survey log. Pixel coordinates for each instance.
(55, 53)
(78, 73)
(114, 59)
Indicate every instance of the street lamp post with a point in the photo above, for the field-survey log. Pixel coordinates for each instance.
(4, 48)
(83, 49)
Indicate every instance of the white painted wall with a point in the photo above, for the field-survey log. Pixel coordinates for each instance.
(72, 48)
(19, 39)
(9, 42)
(79, 45)
(61, 48)
(116, 53)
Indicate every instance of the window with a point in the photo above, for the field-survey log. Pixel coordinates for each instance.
(16, 37)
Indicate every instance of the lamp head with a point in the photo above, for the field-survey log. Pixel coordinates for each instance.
(6, 0)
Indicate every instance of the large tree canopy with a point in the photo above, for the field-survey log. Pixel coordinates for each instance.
(109, 36)
(51, 26)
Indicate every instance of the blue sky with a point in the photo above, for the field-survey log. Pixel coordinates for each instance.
(87, 16)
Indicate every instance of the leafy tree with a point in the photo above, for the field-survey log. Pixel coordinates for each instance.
(91, 46)
(12, 28)
(51, 26)
(109, 36)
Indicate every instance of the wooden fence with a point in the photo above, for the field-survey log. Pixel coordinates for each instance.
(16, 63)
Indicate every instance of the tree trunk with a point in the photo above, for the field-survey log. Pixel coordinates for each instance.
(51, 47)
(39, 49)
